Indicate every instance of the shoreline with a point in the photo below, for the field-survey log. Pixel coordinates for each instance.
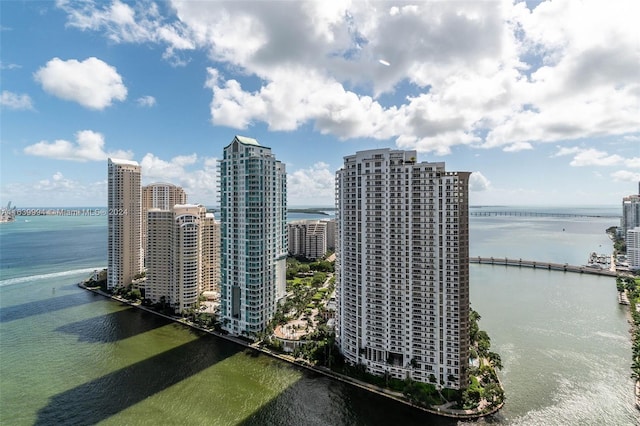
(396, 396)
(629, 317)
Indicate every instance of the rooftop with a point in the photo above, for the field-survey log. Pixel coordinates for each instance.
(123, 162)
(247, 141)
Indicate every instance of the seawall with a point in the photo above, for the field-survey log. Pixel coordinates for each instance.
(396, 396)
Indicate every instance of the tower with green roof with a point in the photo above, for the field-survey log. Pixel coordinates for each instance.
(253, 231)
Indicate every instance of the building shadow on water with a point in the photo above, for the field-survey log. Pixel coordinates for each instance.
(108, 395)
(37, 307)
(316, 400)
(114, 326)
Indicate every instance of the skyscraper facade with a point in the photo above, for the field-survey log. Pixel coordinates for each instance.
(253, 234)
(402, 262)
(175, 255)
(307, 238)
(630, 213)
(124, 251)
(633, 248)
(331, 234)
(210, 254)
(161, 196)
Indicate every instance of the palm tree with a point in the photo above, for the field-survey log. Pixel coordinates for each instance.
(635, 369)
(495, 360)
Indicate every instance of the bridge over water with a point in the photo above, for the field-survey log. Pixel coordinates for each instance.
(564, 267)
(537, 214)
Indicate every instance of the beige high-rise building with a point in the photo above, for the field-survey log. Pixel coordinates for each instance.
(176, 240)
(161, 196)
(124, 240)
(402, 265)
(210, 254)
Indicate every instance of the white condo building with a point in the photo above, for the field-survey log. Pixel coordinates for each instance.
(633, 248)
(253, 234)
(630, 213)
(176, 255)
(124, 241)
(402, 263)
(308, 238)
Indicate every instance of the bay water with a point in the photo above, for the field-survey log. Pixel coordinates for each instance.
(68, 356)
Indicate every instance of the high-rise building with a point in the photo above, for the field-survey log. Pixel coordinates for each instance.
(630, 213)
(161, 196)
(175, 255)
(402, 262)
(210, 254)
(253, 234)
(124, 251)
(159, 287)
(331, 234)
(633, 248)
(307, 238)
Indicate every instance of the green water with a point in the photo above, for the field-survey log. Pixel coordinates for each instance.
(68, 356)
(121, 361)
(71, 357)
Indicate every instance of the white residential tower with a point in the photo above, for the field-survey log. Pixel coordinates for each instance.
(402, 267)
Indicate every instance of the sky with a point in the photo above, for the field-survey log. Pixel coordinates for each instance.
(540, 100)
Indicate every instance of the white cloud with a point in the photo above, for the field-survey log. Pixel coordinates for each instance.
(56, 190)
(626, 176)
(632, 162)
(146, 101)
(197, 176)
(15, 101)
(312, 186)
(89, 146)
(518, 146)
(489, 74)
(140, 23)
(594, 157)
(567, 151)
(57, 183)
(92, 83)
(478, 182)
(4, 66)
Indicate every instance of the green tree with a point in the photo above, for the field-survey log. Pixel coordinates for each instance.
(495, 360)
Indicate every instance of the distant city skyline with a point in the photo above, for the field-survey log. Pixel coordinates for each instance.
(539, 99)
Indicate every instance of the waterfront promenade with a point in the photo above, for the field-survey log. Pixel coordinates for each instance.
(563, 267)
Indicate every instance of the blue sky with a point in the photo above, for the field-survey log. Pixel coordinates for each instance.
(541, 100)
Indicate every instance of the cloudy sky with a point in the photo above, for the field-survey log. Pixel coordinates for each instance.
(541, 100)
